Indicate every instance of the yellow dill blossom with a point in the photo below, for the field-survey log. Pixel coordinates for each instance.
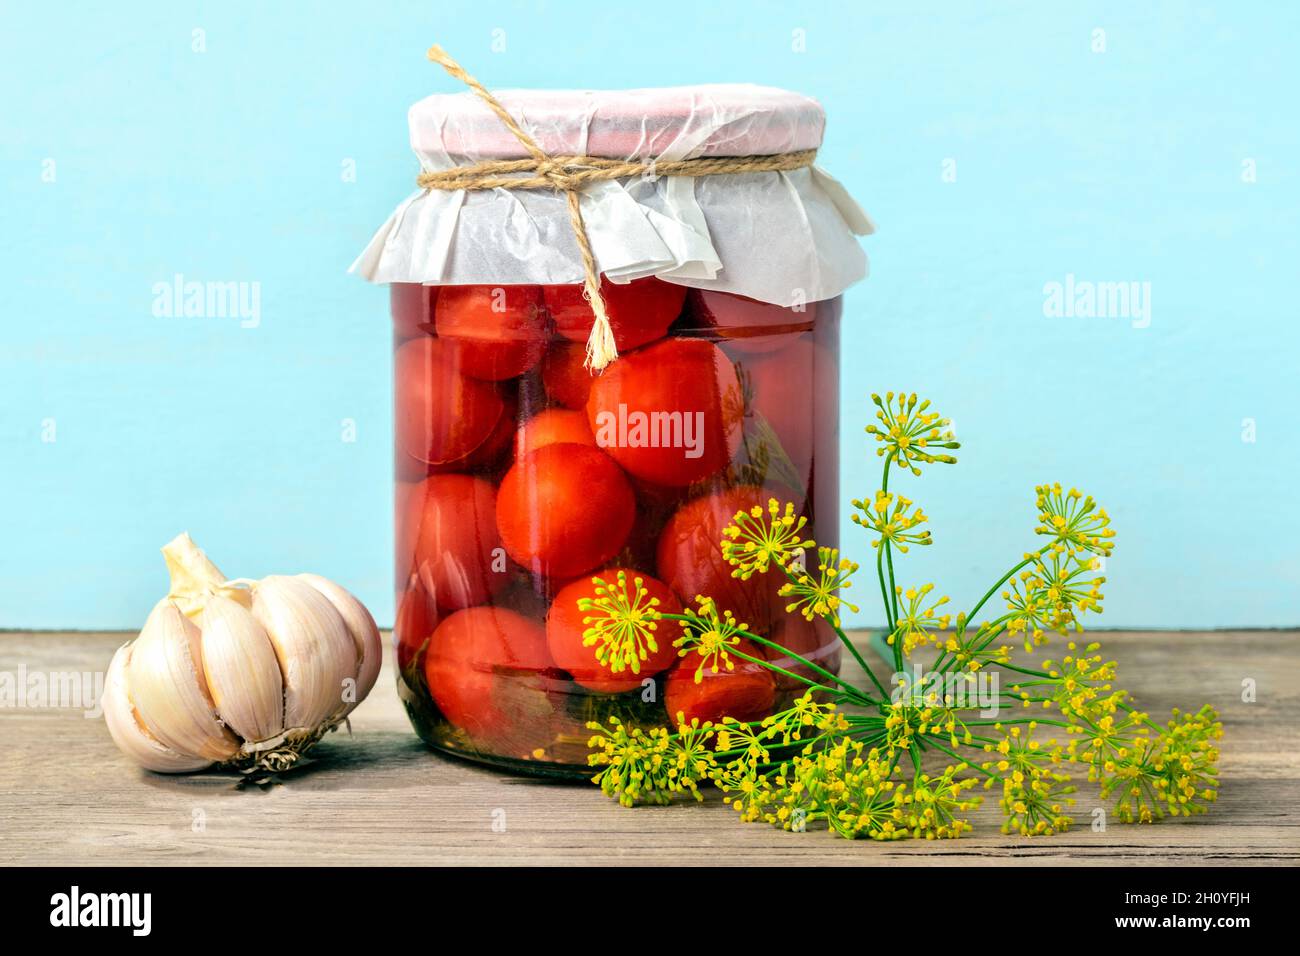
(802, 718)
(635, 763)
(852, 790)
(917, 623)
(1063, 581)
(970, 648)
(741, 777)
(750, 740)
(710, 635)
(819, 596)
(1081, 688)
(903, 721)
(1174, 774)
(749, 792)
(758, 538)
(888, 516)
(1073, 519)
(1036, 792)
(690, 758)
(938, 706)
(907, 431)
(1033, 613)
(935, 802)
(621, 624)
(759, 793)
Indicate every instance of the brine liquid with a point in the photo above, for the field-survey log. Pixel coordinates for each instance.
(519, 474)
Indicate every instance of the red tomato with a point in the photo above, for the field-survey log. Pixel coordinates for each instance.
(784, 394)
(565, 627)
(416, 618)
(490, 453)
(498, 332)
(551, 426)
(450, 534)
(563, 375)
(670, 413)
(746, 693)
(813, 640)
(564, 509)
(472, 660)
(441, 416)
(483, 458)
(412, 306)
(690, 558)
(746, 324)
(639, 311)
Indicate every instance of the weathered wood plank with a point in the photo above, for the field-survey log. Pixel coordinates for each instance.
(68, 797)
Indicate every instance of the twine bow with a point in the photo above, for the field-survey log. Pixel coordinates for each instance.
(568, 175)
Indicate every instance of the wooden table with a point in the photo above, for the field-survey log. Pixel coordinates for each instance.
(379, 797)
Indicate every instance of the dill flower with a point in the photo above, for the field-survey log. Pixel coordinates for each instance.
(740, 777)
(803, 716)
(888, 516)
(936, 801)
(1173, 774)
(622, 624)
(749, 739)
(1060, 581)
(709, 634)
(635, 762)
(916, 622)
(1082, 689)
(750, 792)
(1034, 802)
(1033, 613)
(690, 758)
(903, 721)
(971, 648)
(1035, 791)
(1073, 519)
(907, 430)
(756, 539)
(862, 797)
(858, 797)
(937, 714)
(819, 596)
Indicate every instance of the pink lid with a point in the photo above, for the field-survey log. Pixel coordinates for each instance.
(672, 122)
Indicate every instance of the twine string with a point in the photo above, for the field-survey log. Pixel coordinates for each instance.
(569, 174)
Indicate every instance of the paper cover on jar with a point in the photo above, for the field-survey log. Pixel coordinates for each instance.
(779, 237)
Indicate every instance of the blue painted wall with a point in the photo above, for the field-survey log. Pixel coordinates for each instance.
(1000, 149)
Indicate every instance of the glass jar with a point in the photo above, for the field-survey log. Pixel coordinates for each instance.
(520, 476)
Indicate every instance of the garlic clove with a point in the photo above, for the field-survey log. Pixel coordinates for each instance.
(165, 684)
(241, 670)
(129, 732)
(361, 626)
(313, 646)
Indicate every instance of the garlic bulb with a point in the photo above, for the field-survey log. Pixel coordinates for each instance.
(247, 674)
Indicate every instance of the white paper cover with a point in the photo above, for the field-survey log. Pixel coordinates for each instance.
(780, 237)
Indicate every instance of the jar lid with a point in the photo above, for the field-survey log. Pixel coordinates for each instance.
(782, 237)
(724, 119)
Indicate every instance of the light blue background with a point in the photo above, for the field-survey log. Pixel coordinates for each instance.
(226, 165)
